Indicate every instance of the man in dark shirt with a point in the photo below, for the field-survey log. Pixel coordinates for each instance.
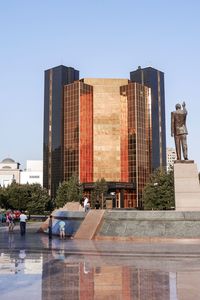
(50, 227)
(97, 205)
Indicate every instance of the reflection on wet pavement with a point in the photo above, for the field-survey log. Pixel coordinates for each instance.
(35, 268)
(55, 275)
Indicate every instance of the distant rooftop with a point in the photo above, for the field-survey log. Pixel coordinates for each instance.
(8, 160)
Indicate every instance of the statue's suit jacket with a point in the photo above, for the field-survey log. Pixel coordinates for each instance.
(178, 122)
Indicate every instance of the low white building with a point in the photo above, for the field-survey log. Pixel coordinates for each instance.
(171, 157)
(33, 172)
(9, 172)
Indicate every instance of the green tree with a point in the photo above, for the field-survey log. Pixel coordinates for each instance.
(93, 198)
(17, 196)
(31, 197)
(4, 198)
(100, 187)
(159, 192)
(38, 199)
(69, 191)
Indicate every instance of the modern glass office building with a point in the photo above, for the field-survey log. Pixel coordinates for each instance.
(154, 79)
(103, 129)
(54, 82)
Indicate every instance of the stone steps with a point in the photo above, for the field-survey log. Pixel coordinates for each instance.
(90, 225)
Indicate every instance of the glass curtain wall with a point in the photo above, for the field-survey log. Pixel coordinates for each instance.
(78, 131)
(139, 137)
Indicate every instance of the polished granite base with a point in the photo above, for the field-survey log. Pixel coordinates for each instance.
(129, 225)
(150, 225)
(186, 186)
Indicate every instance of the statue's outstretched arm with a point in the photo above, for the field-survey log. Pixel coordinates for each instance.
(184, 105)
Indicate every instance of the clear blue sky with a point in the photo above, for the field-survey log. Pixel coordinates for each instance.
(102, 38)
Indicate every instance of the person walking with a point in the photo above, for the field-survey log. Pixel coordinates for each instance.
(50, 227)
(11, 220)
(22, 223)
(85, 204)
(97, 204)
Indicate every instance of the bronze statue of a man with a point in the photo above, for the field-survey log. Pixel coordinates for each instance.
(179, 130)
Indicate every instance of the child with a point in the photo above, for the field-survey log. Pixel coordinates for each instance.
(62, 229)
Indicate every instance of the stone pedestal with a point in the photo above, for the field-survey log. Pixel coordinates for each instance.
(186, 185)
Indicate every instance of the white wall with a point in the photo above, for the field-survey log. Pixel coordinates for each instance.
(7, 176)
(31, 177)
(34, 165)
(33, 173)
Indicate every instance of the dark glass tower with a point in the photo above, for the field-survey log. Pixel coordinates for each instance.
(55, 79)
(154, 79)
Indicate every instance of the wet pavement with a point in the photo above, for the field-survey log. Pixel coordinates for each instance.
(32, 267)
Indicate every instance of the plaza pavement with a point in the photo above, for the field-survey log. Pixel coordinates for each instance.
(169, 267)
(176, 254)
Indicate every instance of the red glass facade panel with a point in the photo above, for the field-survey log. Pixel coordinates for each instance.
(139, 139)
(86, 133)
(71, 130)
(124, 140)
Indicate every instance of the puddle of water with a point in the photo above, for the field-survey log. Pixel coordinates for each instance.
(56, 275)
